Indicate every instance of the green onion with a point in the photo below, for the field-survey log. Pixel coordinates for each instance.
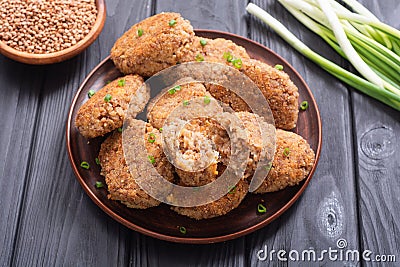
(286, 152)
(203, 42)
(99, 184)
(161, 129)
(119, 129)
(207, 99)
(228, 56)
(182, 229)
(232, 189)
(107, 82)
(268, 166)
(278, 67)
(97, 161)
(186, 102)
(140, 32)
(261, 208)
(370, 45)
(152, 159)
(121, 82)
(152, 138)
(91, 93)
(304, 105)
(85, 165)
(172, 22)
(237, 63)
(107, 98)
(174, 89)
(199, 58)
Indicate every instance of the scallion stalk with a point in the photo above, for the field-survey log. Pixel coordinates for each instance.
(375, 61)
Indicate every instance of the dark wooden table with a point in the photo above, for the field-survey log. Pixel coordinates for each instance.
(46, 219)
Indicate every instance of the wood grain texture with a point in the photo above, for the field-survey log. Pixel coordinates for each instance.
(314, 221)
(19, 109)
(59, 224)
(378, 161)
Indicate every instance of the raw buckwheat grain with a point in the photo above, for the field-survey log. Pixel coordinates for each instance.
(41, 27)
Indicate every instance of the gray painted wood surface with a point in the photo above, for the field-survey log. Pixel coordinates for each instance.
(46, 219)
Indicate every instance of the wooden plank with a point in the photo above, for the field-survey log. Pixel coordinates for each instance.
(326, 212)
(18, 107)
(59, 224)
(378, 142)
(229, 16)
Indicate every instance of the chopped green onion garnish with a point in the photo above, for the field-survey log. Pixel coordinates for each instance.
(182, 229)
(107, 98)
(278, 67)
(152, 138)
(99, 184)
(268, 166)
(237, 63)
(172, 22)
(174, 89)
(199, 58)
(85, 165)
(228, 56)
(91, 93)
(160, 130)
(120, 129)
(207, 99)
(261, 208)
(140, 32)
(186, 102)
(203, 42)
(97, 161)
(107, 82)
(152, 159)
(232, 189)
(121, 82)
(304, 105)
(286, 152)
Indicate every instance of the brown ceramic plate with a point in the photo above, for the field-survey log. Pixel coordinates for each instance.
(160, 222)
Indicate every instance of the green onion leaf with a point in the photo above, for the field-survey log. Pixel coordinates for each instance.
(261, 208)
(172, 22)
(107, 98)
(207, 99)
(182, 229)
(186, 102)
(91, 93)
(152, 138)
(99, 184)
(199, 58)
(237, 63)
(171, 91)
(140, 32)
(232, 189)
(97, 161)
(228, 56)
(278, 67)
(121, 82)
(203, 42)
(286, 152)
(151, 159)
(85, 165)
(161, 129)
(304, 105)
(119, 129)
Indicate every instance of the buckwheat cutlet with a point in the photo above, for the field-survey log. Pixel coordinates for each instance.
(105, 110)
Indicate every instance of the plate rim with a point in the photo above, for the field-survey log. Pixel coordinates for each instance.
(195, 240)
